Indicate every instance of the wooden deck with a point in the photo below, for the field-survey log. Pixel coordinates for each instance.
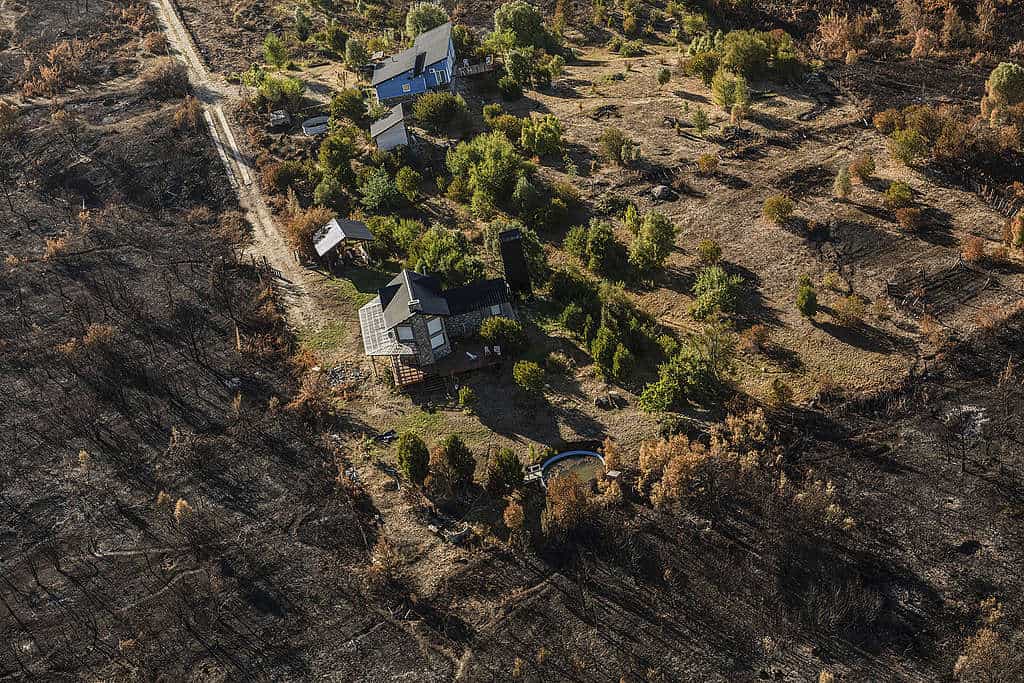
(465, 358)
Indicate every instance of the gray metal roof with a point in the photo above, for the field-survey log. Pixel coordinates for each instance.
(433, 44)
(377, 340)
(411, 293)
(394, 117)
(336, 232)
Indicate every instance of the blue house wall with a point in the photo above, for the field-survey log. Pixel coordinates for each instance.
(434, 76)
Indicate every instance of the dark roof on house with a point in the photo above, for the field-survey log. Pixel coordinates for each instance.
(409, 286)
(411, 293)
(432, 45)
(476, 295)
(337, 231)
(394, 117)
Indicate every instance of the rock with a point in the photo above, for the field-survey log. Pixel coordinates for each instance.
(662, 193)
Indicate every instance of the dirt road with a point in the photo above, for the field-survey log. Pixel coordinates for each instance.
(293, 281)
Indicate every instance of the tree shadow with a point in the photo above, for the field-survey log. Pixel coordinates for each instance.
(936, 227)
(863, 336)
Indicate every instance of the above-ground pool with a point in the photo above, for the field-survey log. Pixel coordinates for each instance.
(585, 466)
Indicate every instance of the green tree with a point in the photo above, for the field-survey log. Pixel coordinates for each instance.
(602, 350)
(378, 190)
(1005, 85)
(529, 376)
(806, 298)
(524, 22)
(413, 457)
(541, 135)
(701, 122)
(505, 473)
(452, 464)
(329, 193)
(729, 89)
(623, 364)
(908, 146)
(465, 41)
(275, 52)
(490, 165)
(503, 332)
(653, 242)
(408, 183)
(705, 65)
(664, 76)
(899, 195)
(746, 53)
(337, 151)
(632, 219)
(439, 111)
(348, 104)
(356, 53)
(715, 292)
(423, 16)
(446, 254)
(696, 372)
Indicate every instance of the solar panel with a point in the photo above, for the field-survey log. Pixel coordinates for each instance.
(376, 340)
(421, 60)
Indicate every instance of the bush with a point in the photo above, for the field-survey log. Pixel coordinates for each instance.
(408, 183)
(356, 53)
(393, 236)
(729, 90)
(451, 464)
(155, 43)
(275, 52)
(1005, 85)
(777, 209)
(280, 93)
(445, 254)
(972, 249)
(167, 78)
(524, 23)
(379, 191)
(503, 332)
(850, 310)
(301, 227)
(709, 252)
(423, 16)
(715, 292)
(413, 457)
(465, 41)
(595, 246)
(909, 219)
(528, 376)
(908, 146)
(541, 135)
(329, 193)
(705, 65)
(632, 48)
(746, 52)
(653, 242)
(806, 298)
(467, 397)
(695, 372)
(863, 167)
(278, 177)
(623, 364)
(707, 164)
(614, 146)
(899, 195)
(505, 473)
(701, 121)
(843, 186)
(348, 104)
(602, 350)
(888, 121)
(510, 88)
(439, 111)
(489, 164)
(664, 76)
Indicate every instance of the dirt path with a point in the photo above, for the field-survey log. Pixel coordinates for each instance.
(293, 281)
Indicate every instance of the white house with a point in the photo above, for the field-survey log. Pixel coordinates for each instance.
(389, 132)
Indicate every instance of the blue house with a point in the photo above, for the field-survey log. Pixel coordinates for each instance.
(428, 65)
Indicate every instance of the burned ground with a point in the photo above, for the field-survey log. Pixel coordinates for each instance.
(177, 503)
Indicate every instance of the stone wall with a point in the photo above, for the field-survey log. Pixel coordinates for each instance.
(466, 325)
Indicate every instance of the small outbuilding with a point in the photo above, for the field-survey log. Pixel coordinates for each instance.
(390, 132)
(342, 240)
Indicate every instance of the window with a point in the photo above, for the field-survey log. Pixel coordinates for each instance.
(436, 330)
(441, 77)
(406, 87)
(405, 333)
(496, 310)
